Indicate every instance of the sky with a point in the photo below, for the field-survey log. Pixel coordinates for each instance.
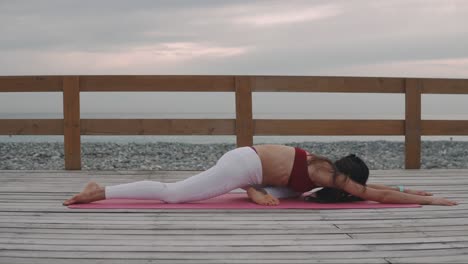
(389, 38)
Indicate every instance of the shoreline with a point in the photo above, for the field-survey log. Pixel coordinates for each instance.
(379, 155)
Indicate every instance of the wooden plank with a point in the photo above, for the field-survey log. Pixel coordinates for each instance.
(245, 256)
(413, 234)
(300, 233)
(444, 86)
(444, 127)
(69, 238)
(31, 127)
(328, 84)
(195, 247)
(244, 122)
(167, 226)
(218, 241)
(186, 260)
(459, 258)
(169, 232)
(25, 260)
(71, 122)
(246, 247)
(328, 127)
(157, 126)
(146, 83)
(269, 216)
(413, 124)
(30, 84)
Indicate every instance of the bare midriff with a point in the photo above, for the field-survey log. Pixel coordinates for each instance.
(277, 163)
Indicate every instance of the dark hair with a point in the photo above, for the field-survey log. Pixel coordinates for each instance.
(352, 167)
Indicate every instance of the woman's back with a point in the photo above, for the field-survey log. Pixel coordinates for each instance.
(277, 163)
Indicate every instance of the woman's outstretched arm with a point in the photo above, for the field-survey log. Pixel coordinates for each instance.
(405, 190)
(386, 196)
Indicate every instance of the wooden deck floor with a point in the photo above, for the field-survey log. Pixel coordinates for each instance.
(36, 228)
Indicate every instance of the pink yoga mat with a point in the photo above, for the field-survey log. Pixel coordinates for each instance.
(232, 201)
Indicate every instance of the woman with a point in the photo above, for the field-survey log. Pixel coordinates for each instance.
(283, 171)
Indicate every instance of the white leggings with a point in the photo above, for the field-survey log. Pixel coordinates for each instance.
(237, 168)
(280, 191)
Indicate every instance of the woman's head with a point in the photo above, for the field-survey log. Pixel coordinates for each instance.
(351, 166)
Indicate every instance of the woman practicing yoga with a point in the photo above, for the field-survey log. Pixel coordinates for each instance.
(267, 172)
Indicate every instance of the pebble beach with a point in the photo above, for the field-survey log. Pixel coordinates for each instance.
(379, 155)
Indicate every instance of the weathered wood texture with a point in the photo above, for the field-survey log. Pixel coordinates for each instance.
(329, 127)
(444, 86)
(30, 83)
(154, 83)
(244, 114)
(31, 127)
(71, 122)
(413, 124)
(36, 228)
(444, 127)
(157, 127)
(328, 84)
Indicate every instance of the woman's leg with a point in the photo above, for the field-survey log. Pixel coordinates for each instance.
(204, 185)
(92, 192)
(235, 169)
(282, 192)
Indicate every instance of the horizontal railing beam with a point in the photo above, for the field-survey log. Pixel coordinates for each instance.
(158, 126)
(327, 84)
(444, 127)
(30, 83)
(444, 86)
(226, 127)
(149, 83)
(346, 127)
(31, 127)
(214, 83)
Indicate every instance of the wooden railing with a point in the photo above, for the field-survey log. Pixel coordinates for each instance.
(244, 126)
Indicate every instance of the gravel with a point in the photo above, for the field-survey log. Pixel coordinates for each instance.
(182, 156)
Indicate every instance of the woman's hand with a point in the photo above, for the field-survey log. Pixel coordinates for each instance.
(387, 196)
(416, 192)
(442, 201)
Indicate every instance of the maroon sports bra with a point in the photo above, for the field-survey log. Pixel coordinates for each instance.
(299, 179)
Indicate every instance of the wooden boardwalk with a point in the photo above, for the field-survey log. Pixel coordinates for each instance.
(36, 228)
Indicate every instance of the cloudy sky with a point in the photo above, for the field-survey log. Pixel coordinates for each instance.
(419, 38)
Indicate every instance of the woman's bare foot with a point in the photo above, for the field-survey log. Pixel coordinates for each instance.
(92, 192)
(262, 198)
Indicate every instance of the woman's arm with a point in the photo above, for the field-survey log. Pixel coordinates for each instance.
(382, 187)
(405, 190)
(386, 195)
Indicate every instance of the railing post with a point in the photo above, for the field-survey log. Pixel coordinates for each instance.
(412, 123)
(244, 121)
(71, 122)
